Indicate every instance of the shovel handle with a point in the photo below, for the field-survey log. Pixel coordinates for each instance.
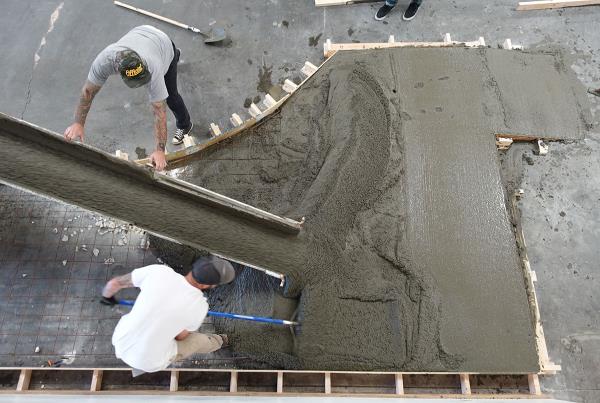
(149, 14)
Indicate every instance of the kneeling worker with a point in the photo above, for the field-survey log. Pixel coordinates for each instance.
(144, 56)
(161, 327)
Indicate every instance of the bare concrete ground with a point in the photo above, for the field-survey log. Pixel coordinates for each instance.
(565, 181)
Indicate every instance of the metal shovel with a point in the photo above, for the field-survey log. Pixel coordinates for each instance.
(211, 35)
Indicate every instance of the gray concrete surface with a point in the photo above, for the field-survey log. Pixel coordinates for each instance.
(216, 81)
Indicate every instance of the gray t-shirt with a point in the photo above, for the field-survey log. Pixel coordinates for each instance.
(153, 46)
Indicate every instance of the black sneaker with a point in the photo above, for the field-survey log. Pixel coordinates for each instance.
(180, 134)
(595, 92)
(383, 12)
(411, 11)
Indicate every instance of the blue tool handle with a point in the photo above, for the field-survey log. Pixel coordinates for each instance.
(232, 315)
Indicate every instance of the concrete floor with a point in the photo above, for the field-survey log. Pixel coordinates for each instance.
(270, 42)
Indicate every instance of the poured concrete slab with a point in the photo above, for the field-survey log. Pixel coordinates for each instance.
(407, 259)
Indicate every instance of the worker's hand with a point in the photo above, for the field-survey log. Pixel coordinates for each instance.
(159, 160)
(74, 132)
(109, 301)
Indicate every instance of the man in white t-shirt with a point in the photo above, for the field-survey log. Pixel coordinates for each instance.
(161, 327)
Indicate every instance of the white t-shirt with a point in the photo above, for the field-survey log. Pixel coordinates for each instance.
(166, 305)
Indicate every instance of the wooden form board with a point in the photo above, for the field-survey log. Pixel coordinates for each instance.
(282, 382)
(329, 48)
(322, 3)
(546, 365)
(180, 157)
(541, 5)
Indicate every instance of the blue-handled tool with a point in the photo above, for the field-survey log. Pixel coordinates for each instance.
(232, 316)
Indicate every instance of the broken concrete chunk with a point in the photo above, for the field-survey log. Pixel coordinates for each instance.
(65, 238)
(110, 260)
(64, 262)
(37, 349)
(96, 251)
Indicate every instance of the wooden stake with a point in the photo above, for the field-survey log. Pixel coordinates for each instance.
(447, 38)
(214, 129)
(174, 385)
(24, 379)
(289, 86)
(236, 120)
(399, 384)
(534, 384)
(254, 110)
(188, 141)
(309, 69)
(96, 380)
(269, 101)
(465, 384)
(391, 39)
(279, 382)
(233, 382)
(328, 382)
(120, 154)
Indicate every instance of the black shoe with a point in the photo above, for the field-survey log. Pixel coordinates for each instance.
(383, 12)
(180, 134)
(411, 11)
(595, 92)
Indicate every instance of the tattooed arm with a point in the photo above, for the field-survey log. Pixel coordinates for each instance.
(88, 93)
(115, 284)
(160, 134)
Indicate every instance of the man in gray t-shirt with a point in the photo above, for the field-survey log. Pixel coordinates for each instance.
(144, 56)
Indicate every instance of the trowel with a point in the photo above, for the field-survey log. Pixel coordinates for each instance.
(211, 35)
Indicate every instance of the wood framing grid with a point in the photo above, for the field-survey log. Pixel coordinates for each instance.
(275, 382)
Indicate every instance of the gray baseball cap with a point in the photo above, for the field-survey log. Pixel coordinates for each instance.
(212, 270)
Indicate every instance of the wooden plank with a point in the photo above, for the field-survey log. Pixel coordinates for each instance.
(542, 5)
(465, 384)
(24, 379)
(534, 384)
(96, 380)
(324, 3)
(279, 381)
(233, 382)
(399, 384)
(329, 49)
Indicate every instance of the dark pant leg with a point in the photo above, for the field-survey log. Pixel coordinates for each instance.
(174, 101)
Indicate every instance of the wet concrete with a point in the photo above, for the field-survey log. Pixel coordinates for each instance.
(428, 207)
(406, 241)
